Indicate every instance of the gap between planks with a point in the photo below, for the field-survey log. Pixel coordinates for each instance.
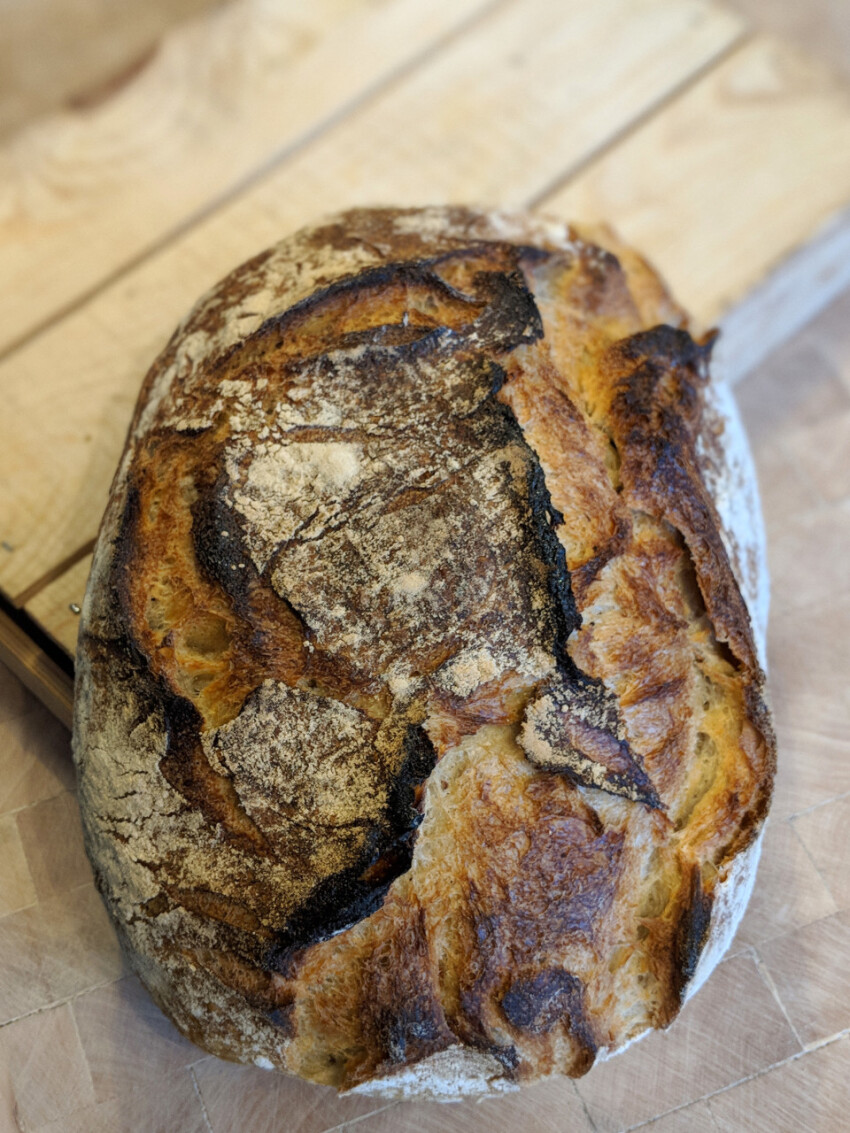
(23, 599)
(559, 184)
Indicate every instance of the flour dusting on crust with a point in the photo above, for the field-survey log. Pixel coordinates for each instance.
(419, 718)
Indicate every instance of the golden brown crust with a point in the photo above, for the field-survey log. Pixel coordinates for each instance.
(419, 720)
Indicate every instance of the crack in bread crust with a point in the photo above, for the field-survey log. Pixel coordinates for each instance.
(419, 723)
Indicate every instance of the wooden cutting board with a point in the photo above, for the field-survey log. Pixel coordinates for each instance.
(725, 156)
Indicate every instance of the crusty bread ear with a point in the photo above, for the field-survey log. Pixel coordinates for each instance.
(419, 722)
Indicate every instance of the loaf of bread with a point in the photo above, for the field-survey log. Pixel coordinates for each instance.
(420, 726)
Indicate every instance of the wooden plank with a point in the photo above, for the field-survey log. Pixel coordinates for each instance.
(85, 193)
(785, 299)
(533, 91)
(737, 191)
(819, 27)
(54, 51)
(56, 607)
(31, 665)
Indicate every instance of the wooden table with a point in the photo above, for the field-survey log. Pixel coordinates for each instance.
(723, 154)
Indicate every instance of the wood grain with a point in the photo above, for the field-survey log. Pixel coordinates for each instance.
(47, 1088)
(246, 1097)
(821, 27)
(38, 672)
(55, 950)
(790, 894)
(555, 1105)
(694, 1118)
(174, 1104)
(808, 968)
(35, 757)
(128, 1043)
(53, 51)
(737, 191)
(87, 192)
(808, 1094)
(52, 840)
(825, 832)
(56, 607)
(17, 890)
(69, 394)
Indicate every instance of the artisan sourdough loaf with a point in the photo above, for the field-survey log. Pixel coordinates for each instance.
(420, 727)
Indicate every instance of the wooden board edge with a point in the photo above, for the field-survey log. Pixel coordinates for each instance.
(56, 608)
(794, 292)
(36, 669)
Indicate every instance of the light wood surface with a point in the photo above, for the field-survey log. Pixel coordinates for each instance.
(31, 665)
(57, 604)
(765, 1046)
(820, 27)
(55, 52)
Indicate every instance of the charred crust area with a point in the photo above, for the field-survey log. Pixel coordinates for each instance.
(538, 1003)
(351, 895)
(363, 309)
(691, 932)
(220, 548)
(412, 233)
(454, 447)
(210, 627)
(187, 770)
(208, 643)
(656, 417)
(534, 882)
(478, 287)
(574, 728)
(335, 904)
(465, 302)
(535, 1006)
(656, 381)
(594, 527)
(380, 1010)
(403, 1021)
(405, 802)
(545, 518)
(262, 990)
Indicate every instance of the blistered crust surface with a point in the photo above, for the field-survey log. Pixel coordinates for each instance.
(419, 722)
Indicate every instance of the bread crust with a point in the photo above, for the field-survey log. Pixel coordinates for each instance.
(420, 723)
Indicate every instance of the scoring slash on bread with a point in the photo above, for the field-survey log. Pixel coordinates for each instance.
(420, 726)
